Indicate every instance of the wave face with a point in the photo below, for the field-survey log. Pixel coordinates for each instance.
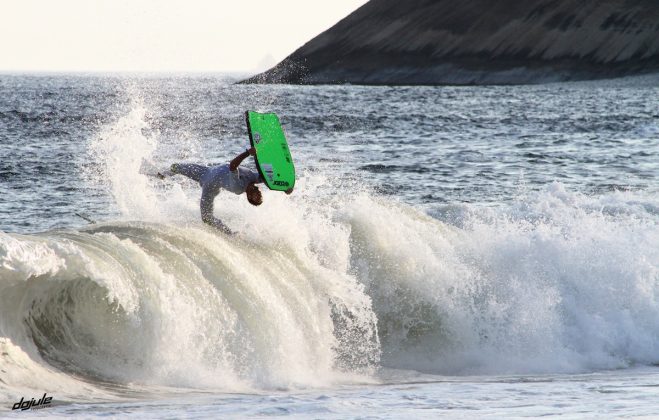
(182, 306)
(338, 287)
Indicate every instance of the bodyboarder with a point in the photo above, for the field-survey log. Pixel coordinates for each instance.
(213, 179)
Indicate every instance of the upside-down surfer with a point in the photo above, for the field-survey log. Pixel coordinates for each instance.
(213, 179)
(273, 161)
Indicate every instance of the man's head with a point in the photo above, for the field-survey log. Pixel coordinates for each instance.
(254, 195)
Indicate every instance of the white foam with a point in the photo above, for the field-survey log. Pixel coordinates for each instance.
(555, 282)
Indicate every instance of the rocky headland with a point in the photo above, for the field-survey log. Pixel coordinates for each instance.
(464, 42)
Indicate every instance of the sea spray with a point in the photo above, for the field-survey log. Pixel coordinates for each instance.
(175, 303)
(490, 295)
(560, 282)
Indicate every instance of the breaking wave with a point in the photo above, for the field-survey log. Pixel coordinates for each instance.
(338, 287)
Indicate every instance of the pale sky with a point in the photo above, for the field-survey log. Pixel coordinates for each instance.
(159, 35)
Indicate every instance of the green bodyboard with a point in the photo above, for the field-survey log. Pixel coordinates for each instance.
(273, 158)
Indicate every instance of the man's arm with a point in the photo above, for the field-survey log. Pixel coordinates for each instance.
(233, 165)
(206, 205)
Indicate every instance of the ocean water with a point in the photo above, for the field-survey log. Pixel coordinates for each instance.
(448, 251)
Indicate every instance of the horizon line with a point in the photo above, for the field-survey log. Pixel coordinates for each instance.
(241, 73)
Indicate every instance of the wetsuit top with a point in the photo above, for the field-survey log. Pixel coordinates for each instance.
(220, 177)
(217, 178)
(212, 180)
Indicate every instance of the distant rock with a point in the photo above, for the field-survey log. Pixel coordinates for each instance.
(478, 42)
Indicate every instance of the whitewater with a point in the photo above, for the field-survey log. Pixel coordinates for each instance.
(447, 251)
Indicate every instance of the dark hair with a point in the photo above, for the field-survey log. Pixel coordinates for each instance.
(257, 198)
